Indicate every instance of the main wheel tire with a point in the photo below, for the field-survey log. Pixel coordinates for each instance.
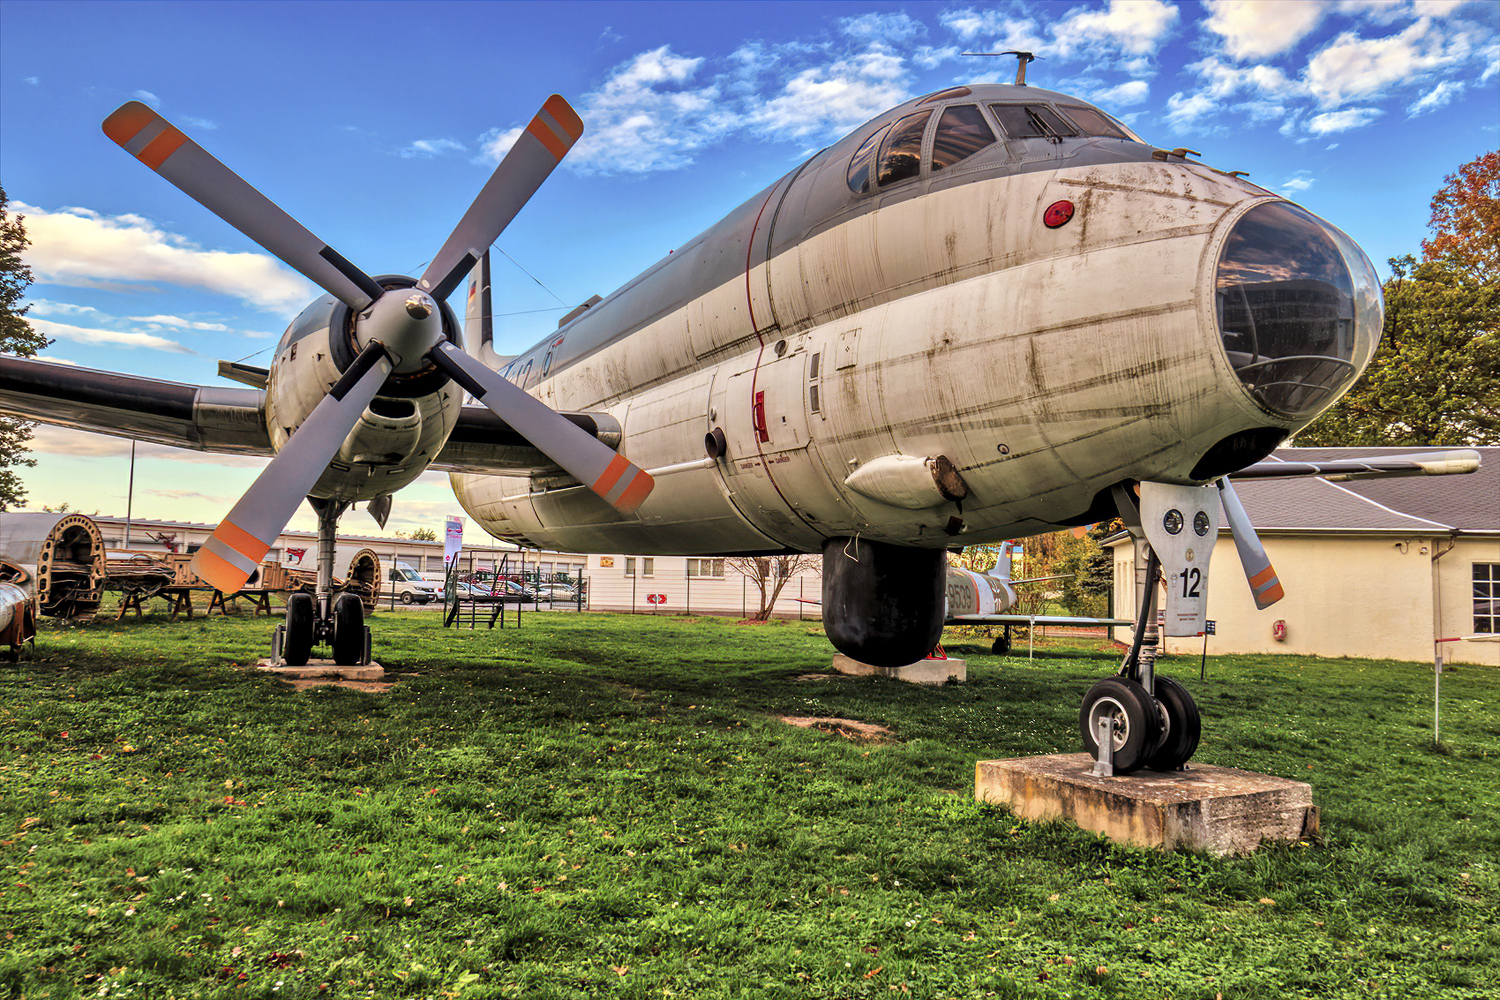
(406, 598)
(1184, 726)
(1134, 720)
(301, 616)
(1001, 646)
(348, 631)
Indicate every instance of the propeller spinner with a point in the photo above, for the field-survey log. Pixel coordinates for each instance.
(399, 330)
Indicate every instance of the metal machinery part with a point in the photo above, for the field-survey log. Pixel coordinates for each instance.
(17, 615)
(883, 604)
(364, 578)
(63, 554)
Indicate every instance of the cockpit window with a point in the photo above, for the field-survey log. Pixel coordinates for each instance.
(961, 133)
(1091, 122)
(859, 166)
(945, 95)
(901, 153)
(1026, 121)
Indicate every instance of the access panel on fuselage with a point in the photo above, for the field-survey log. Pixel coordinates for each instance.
(763, 412)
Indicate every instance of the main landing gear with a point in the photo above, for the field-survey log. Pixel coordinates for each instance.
(1151, 720)
(336, 620)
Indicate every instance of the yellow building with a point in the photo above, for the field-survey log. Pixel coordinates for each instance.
(1377, 568)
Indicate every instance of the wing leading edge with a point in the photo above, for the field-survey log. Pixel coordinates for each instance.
(233, 421)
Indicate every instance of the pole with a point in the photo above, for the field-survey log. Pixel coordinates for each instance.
(689, 584)
(744, 582)
(1437, 691)
(1203, 660)
(130, 494)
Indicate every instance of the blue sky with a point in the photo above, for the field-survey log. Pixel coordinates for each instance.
(376, 123)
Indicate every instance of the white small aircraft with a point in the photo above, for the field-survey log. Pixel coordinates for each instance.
(989, 312)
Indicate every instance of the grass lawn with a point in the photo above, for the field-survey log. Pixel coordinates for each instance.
(601, 805)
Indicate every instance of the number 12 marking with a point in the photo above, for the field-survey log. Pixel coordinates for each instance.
(1191, 578)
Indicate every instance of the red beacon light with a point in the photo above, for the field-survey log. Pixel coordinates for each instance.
(1058, 213)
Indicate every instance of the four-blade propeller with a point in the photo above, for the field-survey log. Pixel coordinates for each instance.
(400, 329)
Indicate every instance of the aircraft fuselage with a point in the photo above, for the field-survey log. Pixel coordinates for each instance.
(842, 341)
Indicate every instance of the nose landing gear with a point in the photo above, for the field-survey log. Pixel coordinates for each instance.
(1153, 720)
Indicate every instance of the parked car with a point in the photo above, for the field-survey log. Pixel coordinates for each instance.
(557, 592)
(512, 592)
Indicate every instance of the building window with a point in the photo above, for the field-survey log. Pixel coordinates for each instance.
(712, 568)
(1487, 597)
(647, 566)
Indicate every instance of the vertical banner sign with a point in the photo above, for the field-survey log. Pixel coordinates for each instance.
(453, 541)
(1182, 524)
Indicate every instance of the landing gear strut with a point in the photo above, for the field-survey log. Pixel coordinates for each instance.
(1152, 719)
(338, 620)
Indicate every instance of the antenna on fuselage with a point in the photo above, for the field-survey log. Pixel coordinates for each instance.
(1022, 59)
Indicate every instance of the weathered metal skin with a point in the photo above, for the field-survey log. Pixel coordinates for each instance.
(823, 330)
(400, 432)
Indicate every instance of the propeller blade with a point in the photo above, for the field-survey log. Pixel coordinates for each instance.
(620, 482)
(153, 140)
(1264, 585)
(540, 148)
(241, 540)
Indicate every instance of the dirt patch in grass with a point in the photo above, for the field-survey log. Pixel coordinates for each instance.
(377, 687)
(849, 729)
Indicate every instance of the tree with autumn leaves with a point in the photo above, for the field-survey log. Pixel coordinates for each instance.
(16, 337)
(1435, 379)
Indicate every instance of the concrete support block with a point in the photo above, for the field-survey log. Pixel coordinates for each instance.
(323, 670)
(921, 672)
(1221, 810)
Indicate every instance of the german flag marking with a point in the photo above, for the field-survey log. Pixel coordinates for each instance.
(563, 112)
(126, 123)
(1263, 577)
(544, 135)
(636, 493)
(612, 474)
(218, 572)
(163, 146)
(241, 541)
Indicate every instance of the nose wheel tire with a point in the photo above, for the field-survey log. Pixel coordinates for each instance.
(1183, 726)
(1001, 645)
(348, 631)
(1134, 722)
(301, 617)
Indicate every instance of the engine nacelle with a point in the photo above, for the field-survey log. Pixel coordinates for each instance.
(883, 604)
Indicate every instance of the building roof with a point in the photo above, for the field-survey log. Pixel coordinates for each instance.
(1415, 504)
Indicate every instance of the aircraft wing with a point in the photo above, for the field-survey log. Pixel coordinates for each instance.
(1034, 620)
(1432, 463)
(204, 418)
(231, 420)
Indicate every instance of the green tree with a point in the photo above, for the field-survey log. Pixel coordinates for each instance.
(16, 337)
(423, 535)
(1435, 379)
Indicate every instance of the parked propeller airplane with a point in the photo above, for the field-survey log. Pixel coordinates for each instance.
(989, 312)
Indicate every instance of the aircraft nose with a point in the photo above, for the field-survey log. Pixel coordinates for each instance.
(1299, 308)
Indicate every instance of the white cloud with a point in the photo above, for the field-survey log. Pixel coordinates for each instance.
(431, 147)
(50, 440)
(46, 307)
(1342, 121)
(928, 57)
(1298, 182)
(1224, 81)
(1354, 68)
(180, 323)
(999, 30)
(202, 123)
(81, 248)
(1256, 29)
(89, 335)
(147, 97)
(896, 27)
(1185, 109)
(1136, 27)
(1435, 98)
(1127, 93)
(35, 81)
